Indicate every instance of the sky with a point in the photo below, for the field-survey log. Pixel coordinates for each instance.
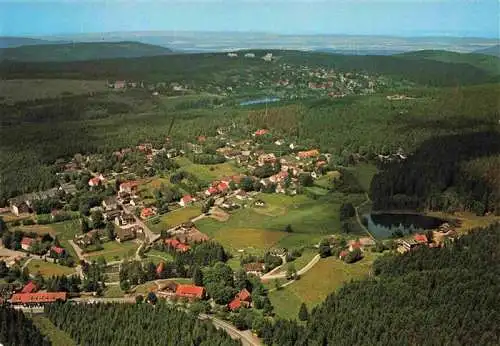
(464, 18)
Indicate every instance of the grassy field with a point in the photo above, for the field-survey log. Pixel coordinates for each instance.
(48, 269)
(113, 291)
(307, 256)
(207, 173)
(364, 173)
(314, 286)
(325, 180)
(255, 229)
(175, 217)
(156, 256)
(151, 286)
(114, 251)
(66, 231)
(33, 89)
(56, 336)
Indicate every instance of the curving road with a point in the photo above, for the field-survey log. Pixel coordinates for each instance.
(302, 271)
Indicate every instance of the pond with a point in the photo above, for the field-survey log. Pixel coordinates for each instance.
(259, 101)
(383, 225)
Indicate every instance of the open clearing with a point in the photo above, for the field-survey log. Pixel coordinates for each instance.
(34, 89)
(114, 251)
(48, 269)
(207, 173)
(56, 336)
(314, 286)
(175, 217)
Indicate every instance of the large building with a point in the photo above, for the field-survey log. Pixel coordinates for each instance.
(38, 298)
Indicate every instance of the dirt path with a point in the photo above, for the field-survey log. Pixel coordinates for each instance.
(305, 269)
(358, 218)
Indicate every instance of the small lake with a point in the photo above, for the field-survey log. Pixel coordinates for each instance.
(259, 101)
(383, 225)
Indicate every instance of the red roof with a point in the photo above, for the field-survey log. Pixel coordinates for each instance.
(421, 238)
(43, 297)
(308, 153)
(261, 132)
(58, 250)
(222, 187)
(356, 245)
(244, 295)
(235, 304)
(27, 241)
(190, 291)
(160, 267)
(147, 212)
(30, 287)
(177, 245)
(94, 181)
(343, 253)
(187, 199)
(211, 190)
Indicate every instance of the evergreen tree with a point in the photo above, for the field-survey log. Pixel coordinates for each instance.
(303, 313)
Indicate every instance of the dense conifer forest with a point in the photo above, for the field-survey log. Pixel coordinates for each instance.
(450, 173)
(139, 324)
(430, 296)
(17, 330)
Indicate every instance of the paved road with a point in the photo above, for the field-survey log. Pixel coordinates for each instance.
(246, 337)
(302, 271)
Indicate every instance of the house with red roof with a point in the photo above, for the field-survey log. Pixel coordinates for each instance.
(190, 291)
(94, 182)
(57, 250)
(30, 287)
(308, 154)
(38, 298)
(222, 187)
(185, 200)
(261, 132)
(355, 245)
(177, 245)
(278, 177)
(160, 267)
(147, 212)
(242, 298)
(211, 191)
(129, 187)
(421, 238)
(26, 243)
(343, 254)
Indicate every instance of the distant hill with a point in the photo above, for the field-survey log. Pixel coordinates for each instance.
(488, 63)
(11, 42)
(81, 51)
(206, 67)
(495, 51)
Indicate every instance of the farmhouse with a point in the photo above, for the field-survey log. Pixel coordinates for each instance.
(59, 251)
(147, 212)
(190, 291)
(38, 298)
(95, 181)
(167, 289)
(266, 158)
(243, 298)
(261, 132)
(211, 191)
(256, 268)
(177, 245)
(124, 219)
(279, 177)
(124, 234)
(110, 203)
(186, 200)
(129, 187)
(308, 154)
(30, 287)
(26, 243)
(420, 238)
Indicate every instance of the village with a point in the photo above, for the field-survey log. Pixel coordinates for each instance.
(282, 79)
(146, 206)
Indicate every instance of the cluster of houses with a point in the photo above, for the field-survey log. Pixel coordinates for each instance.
(439, 236)
(29, 295)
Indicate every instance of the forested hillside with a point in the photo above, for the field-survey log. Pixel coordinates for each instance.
(17, 330)
(488, 63)
(450, 173)
(140, 324)
(81, 51)
(429, 296)
(209, 67)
